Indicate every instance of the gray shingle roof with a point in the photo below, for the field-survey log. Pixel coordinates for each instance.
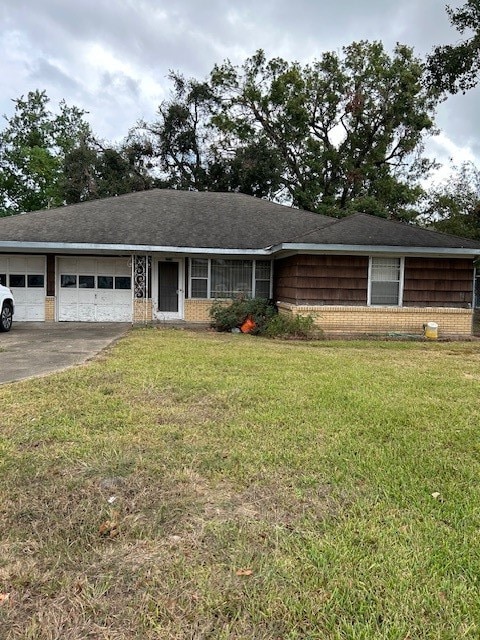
(168, 218)
(163, 217)
(366, 230)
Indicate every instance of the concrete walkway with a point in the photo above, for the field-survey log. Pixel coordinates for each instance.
(37, 348)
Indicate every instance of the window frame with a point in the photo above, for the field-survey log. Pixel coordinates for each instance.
(229, 259)
(400, 281)
(191, 277)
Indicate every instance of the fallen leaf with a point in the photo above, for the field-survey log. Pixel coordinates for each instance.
(244, 572)
(108, 528)
(4, 597)
(435, 495)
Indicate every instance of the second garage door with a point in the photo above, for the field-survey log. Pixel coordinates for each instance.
(25, 275)
(94, 290)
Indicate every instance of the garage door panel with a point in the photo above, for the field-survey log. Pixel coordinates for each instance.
(68, 312)
(106, 268)
(18, 264)
(29, 298)
(105, 297)
(100, 303)
(86, 296)
(86, 266)
(86, 313)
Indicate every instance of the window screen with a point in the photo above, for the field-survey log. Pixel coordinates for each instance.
(231, 278)
(199, 277)
(385, 281)
(262, 278)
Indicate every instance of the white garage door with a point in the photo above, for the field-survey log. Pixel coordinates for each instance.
(25, 275)
(94, 290)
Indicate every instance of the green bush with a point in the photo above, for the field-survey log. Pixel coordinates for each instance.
(268, 322)
(282, 326)
(226, 318)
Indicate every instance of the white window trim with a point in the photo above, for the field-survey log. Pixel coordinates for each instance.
(400, 287)
(191, 278)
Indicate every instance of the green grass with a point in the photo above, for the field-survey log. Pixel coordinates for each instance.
(311, 465)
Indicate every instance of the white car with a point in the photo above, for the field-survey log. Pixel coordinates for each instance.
(7, 306)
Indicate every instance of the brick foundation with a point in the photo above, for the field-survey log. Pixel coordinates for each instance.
(196, 310)
(337, 320)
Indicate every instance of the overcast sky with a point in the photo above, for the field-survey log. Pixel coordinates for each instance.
(111, 57)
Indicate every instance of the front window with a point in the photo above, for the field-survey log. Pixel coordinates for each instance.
(385, 281)
(199, 268)
(231, 278)
(222, 278)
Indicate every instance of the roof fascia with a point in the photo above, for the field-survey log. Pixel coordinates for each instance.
(375, 249)
(80, 247)
(283, 248)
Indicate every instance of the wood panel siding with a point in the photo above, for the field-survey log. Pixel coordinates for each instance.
(343, 280)
(322, 280)
(438, 282)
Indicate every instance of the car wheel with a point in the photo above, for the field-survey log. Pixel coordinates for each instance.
(6, 317)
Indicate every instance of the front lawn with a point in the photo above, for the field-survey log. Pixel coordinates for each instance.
(198, 485)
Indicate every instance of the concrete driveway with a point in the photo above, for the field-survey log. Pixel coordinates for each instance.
(36, 348)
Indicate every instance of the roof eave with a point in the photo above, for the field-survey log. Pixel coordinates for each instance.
(85, 247)
(283, 248)
(376, 249)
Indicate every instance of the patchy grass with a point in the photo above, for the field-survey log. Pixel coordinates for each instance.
(190, 485)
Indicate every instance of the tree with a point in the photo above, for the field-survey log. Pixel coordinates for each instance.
(179, 140)
(453, 68)
(93, 171)
(183, 148)
(33, 147)
(348, 130)
(454, 205)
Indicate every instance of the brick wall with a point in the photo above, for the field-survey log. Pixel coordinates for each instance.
(335, 320)
(196, 310)
(142, 310)
(50, 308)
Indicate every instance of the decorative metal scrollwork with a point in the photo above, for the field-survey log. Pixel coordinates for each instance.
(142, 266)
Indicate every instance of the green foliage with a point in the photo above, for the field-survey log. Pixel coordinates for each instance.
(179, 138)
(268, 322)
(230, 316)
(453, 68)
(283, 326)
(91, 171)
(454, 206)
(33, 147)
(348, 129)
(184, 146)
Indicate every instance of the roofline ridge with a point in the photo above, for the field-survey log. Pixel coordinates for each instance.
(333, 222)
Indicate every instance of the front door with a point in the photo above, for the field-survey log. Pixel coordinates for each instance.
(168, 290)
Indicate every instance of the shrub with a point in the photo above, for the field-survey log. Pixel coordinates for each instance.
(228, 317)
(268, 322)
(282, 326)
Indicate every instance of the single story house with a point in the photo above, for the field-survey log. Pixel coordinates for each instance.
(166, 255)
